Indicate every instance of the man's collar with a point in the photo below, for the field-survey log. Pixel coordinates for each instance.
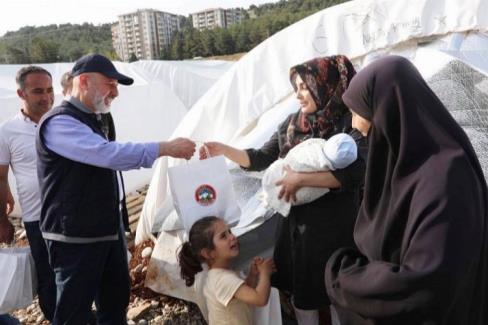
(26, 116)
(79, 105)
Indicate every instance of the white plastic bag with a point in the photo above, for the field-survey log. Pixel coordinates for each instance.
(18, 284)
(203, 188)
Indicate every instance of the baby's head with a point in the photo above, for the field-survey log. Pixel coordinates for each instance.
(210, 240)
(341, 150)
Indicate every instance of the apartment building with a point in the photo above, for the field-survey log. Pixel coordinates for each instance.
(211, 18)
(144, 33)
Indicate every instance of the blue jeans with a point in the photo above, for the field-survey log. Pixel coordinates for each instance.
(6, 319)
(46, 287)
(90, 272)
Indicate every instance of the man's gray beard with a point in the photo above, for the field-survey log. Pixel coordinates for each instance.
(100, 107)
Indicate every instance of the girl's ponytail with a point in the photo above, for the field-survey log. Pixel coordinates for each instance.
(189, 263)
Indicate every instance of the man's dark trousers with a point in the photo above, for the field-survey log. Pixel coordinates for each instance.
(46, 287)
(90, 272)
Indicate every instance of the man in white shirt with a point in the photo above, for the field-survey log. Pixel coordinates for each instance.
(18, 150)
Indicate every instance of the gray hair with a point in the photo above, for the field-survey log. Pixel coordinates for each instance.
(25, 71)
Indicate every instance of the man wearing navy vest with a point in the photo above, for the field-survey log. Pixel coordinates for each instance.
(81, 194)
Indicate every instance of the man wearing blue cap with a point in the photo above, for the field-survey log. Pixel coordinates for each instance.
(81, 195)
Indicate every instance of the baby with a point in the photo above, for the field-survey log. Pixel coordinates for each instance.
(312, 155)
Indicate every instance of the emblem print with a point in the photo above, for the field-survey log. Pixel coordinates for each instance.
(205, 195)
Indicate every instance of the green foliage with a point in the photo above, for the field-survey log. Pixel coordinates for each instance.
(176, 50)
(67, 42)
(133, 58)
(270, 18)
(42, 50)
(55, 43)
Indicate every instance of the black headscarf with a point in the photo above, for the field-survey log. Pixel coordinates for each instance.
(422, 228)
(326, 78)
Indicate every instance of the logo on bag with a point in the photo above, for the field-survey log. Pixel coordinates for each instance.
(205, 195)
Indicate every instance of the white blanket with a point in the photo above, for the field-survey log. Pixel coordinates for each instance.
(312, 155)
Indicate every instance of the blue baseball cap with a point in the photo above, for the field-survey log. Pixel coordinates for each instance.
(99, 63)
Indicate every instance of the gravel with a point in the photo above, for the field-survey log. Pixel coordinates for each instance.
(160, 309)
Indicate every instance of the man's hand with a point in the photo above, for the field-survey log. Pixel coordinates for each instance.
(177, 148)
(290, 184)
(6, 207)
(6, 231)
(10, 203)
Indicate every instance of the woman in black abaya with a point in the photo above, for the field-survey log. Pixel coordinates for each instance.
(421, 231)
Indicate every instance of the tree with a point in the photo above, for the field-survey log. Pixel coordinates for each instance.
(177, 47)
(14, 55)
(165, 53)
(74, 53)
(242, 40)
(68, 42)
(53, 43)
(224, 43)
(43, 51)
(208, 43)
(133, 57)
(112, 55)
(193, 46)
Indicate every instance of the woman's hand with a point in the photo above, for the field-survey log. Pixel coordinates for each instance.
(290, 184)
(10, 203)
(213, 148)
(217, 148)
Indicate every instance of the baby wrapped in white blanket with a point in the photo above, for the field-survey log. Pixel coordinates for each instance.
(312, 155)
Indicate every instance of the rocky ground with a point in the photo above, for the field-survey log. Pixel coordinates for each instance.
(145, 307)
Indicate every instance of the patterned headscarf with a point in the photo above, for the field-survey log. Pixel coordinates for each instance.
(326, 78)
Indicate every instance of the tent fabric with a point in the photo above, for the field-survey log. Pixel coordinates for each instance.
(446, 39)
(259, 80)
(243, 107)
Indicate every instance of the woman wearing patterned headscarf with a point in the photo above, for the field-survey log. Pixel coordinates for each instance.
(311, 232)
(422, 229)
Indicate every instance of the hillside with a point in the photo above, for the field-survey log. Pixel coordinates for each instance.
(67, 42)
(260, 23)
(55, 43)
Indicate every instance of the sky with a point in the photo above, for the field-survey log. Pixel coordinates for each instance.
(15, 14)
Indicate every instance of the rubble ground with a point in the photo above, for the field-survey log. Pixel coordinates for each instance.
(145, 305)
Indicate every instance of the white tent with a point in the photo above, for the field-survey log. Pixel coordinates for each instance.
(149, 110)
(446, 39)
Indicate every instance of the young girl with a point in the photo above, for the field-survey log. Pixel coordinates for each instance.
(228, 296)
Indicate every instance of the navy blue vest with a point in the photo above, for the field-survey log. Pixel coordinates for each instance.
(78, 200)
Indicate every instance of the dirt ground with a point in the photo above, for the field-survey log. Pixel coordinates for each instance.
(145, 306)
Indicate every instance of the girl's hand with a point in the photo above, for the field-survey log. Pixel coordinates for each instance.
(253, 268)
(290, 184)
(266, 267)
(213, 148)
